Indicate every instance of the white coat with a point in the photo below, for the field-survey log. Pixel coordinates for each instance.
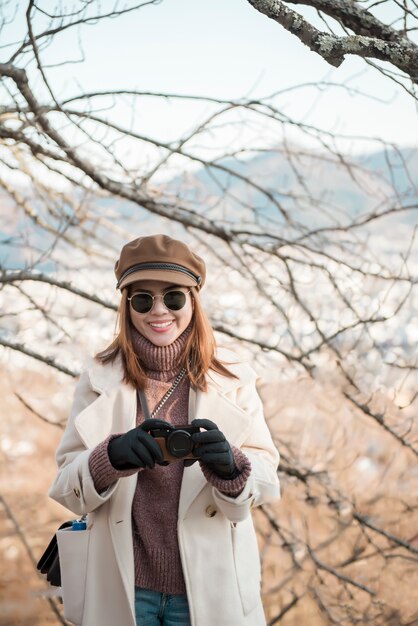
(217, 541)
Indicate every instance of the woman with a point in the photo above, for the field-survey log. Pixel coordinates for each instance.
(170, 542)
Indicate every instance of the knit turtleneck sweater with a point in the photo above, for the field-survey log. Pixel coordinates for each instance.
(155, 504)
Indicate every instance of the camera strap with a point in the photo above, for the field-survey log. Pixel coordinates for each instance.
(166, 396)
(144, 404)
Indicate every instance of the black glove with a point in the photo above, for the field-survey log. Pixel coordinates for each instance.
(136, 448)
(214, 450)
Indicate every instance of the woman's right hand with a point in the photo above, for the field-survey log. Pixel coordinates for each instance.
(136, 448)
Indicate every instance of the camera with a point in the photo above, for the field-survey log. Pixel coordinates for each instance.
(175, 441)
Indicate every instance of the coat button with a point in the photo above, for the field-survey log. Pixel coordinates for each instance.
(211, 511)
(77, 492)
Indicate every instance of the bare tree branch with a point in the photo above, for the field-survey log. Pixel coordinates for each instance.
(372, 39)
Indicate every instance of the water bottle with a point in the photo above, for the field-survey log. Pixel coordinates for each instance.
(79, 524)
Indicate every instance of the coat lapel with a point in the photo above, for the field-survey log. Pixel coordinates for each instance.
(114, 411)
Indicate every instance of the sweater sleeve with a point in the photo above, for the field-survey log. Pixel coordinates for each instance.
(230, 487)
(101, 469)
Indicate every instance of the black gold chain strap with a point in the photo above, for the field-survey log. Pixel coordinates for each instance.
(169, 392)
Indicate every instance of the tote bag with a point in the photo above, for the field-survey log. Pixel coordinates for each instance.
(73, 549)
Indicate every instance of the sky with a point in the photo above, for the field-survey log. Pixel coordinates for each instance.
(223, 48)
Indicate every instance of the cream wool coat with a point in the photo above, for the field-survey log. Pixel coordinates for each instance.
(216, 536)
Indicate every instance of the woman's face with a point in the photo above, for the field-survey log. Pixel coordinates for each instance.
(160, 325)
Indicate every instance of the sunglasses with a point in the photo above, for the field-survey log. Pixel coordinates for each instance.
(174, 300)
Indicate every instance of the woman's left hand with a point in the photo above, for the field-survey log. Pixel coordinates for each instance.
(213, 449)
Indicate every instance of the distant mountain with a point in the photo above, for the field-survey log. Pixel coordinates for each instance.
(399, 167)
(315, 190)
(337, 192)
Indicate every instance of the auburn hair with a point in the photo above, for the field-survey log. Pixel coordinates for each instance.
(198, 354)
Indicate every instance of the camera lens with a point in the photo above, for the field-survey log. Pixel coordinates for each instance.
(179, 443)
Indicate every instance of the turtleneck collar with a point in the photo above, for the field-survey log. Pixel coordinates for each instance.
(161, 362)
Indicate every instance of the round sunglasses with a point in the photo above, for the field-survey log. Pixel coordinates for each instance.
(174, 300)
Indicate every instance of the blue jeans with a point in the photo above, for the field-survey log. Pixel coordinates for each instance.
(153, 608)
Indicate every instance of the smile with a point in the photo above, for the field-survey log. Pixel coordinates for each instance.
(158, 325)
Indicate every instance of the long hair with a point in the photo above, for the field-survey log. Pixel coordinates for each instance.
(198, 354)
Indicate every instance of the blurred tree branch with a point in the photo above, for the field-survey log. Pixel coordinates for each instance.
(22, 537)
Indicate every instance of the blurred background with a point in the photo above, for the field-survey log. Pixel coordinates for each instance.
(280, 141)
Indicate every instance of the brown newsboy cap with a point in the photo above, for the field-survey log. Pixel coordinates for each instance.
(159, 257)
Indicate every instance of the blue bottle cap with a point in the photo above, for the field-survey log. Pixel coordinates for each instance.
(78, 525)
